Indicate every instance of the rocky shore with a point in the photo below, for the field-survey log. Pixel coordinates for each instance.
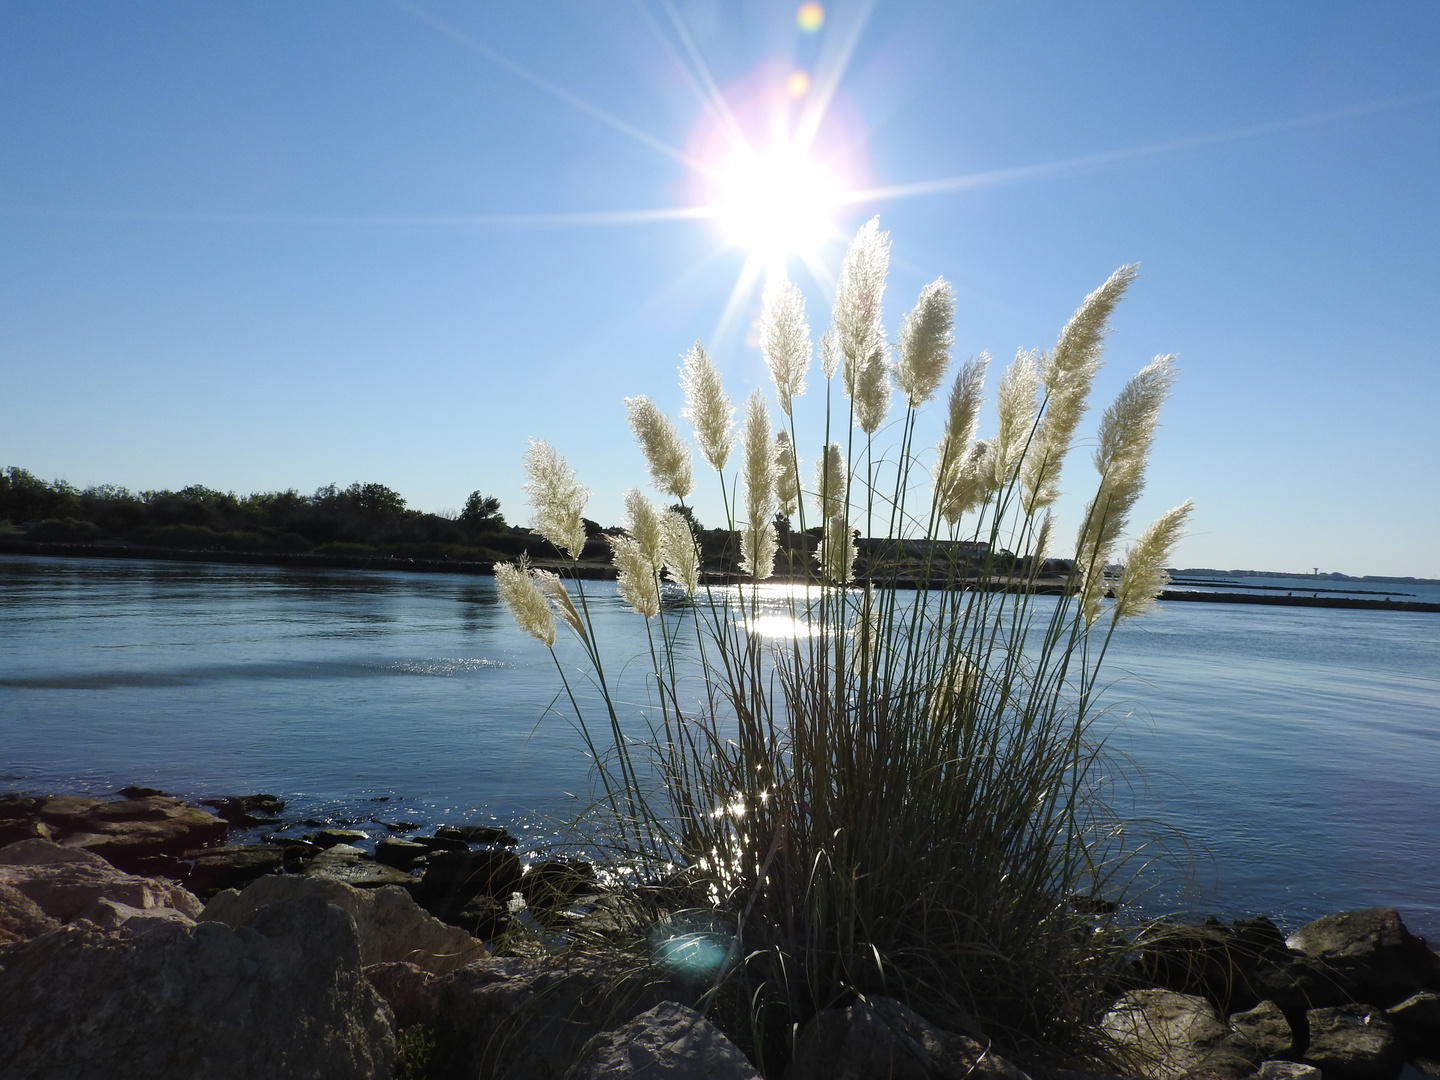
(135, 941)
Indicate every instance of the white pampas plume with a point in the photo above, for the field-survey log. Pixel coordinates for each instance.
(830, 353)
(556, 497)
(707, 407)
(858, 296)
(1042, 540)
(830, 482)
(787, 474)
(560, 602)
(667, 456)
(1015, 404)
(644, 525)
(1066, 375)
(681, 557)
(925, 341)
(967, 486)
(1145, 574)
(837, 552)
(958, 682)
(960, 421)
(1126, 432)
(872, 390)
(526, 602)
(637, 577)
(785, 340)
(757, 542)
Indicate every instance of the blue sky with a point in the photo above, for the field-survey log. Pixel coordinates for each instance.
(272, 245)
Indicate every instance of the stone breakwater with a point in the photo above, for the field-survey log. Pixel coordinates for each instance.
(135, 941)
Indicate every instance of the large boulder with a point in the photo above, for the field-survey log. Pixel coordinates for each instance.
(281, 996)
(390, 925)
(131, 833)
(883, 1039)
(1352, 1042)
(65, 884)
(1212, 960)
(1165, 1035)
(669, 1042)
(1267, 1029)
(1371, 950)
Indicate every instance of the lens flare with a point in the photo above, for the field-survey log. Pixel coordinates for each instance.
(776, 203)
(810, 17)
(798, 85)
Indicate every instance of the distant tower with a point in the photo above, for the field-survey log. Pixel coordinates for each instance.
(1317, 571)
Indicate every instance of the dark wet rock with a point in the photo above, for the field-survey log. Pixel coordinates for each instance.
(401, 854)
(1417, 1019)
(389, 924)
(1352, 1042)
(1266, 1029)
(1212, 959)
(463, 874)
(328, 838)
(885, 1040)
(1301, 983)
(478, 834)
(133, 791)
(1372, 951)
(441, 843)
(16, 806)
(668, 1042)
(66, 885)
(247, 810)
(1165, 1035)
(554, 883)
(14, 830)
(232, 867)
(145, 834)
(401, 826)
(351, 866)
(481, 916)
(282, 996)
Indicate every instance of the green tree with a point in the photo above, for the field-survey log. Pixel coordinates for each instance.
(482, 513)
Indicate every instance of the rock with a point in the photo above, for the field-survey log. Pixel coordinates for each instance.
(1300, 983)
(441, 843)
(883, 1039)
(66, 884)
(282, 996)
(389, 924)
(15, 830)
(669, 1042)
(329, 838)
(352, 866)
(401, 826)
(14, 807)
(553, 883)
(1417, 1019)
(129, 832)
(401, 854)
(1211, 959)
(247, 810)
(477, 834)
(21, 918)
(1266, 1029)
(412, 993)
(513, 1019)
(1352, 1042)
(232, 867)
(1372, 951)
(451, 874)
(1165, 1035)
(1287, 1070)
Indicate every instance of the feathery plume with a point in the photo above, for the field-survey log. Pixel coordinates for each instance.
(858, 295)
(637, 577)
(556, 497)
(837, 552)
(1145, 575)
(681, 557)
(829, 353)
(560, 602)
(1015, 404)
(967, 486)
(1128, 426)
(872, 390)
(785, 340)
(643, 523)
(787, 474)
(960, 420)
(830, 482)
(1042, 539)
(1066, 375)
(757, 542)
(925, 341)
(667, 456)
(526, 602)
(867, 633)
(707, 407)
(960, 680)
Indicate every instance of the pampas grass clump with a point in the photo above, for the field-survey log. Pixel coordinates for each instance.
(901, 793)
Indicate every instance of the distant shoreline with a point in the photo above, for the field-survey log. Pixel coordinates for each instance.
(598, 572)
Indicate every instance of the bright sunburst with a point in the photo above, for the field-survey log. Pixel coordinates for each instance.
(776, 204)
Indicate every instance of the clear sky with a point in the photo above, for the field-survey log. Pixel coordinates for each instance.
(283, 244)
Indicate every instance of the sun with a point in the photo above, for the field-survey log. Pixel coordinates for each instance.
(776, 204)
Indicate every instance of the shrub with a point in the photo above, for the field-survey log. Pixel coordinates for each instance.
(65, 529)
(899, 792)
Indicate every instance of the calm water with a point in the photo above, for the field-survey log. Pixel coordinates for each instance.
(1295, 749)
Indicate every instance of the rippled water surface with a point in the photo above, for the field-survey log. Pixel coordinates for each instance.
(1296, 749)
